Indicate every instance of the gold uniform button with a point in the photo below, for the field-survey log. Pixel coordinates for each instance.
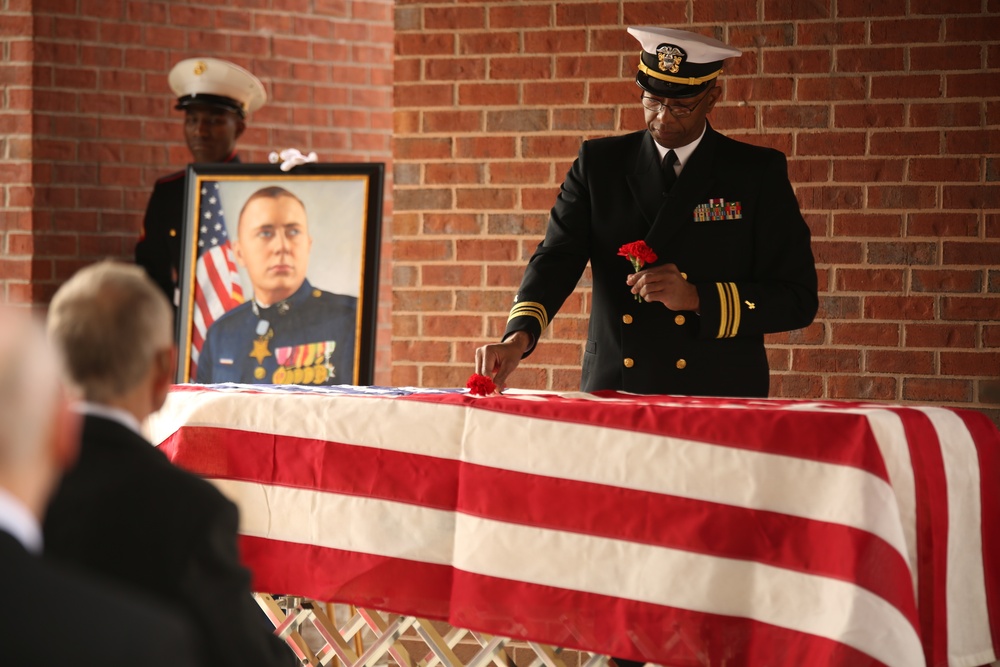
(173, 232)
(628, 362)
(627, 319)
(679, 320)
(681, 363)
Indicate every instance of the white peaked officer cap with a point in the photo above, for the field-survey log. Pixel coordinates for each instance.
(218, 83)
(678, 63)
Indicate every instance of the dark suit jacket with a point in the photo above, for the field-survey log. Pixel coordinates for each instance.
(754, 273)
(125, 512)
(159, 249)
(51, 617)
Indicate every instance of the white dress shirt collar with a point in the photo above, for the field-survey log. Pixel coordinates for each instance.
(683, 152)
(19, 522)
(123, 417)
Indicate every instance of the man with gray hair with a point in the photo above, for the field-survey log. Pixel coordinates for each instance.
(38, 441)
(125, 511)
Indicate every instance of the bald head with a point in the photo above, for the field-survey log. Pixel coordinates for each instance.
(39, 436)
(30, 387)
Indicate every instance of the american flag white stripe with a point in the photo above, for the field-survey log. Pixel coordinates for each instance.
(888, 431)
(364, 525)
(200, 330)
(968, 614)
(402, 426)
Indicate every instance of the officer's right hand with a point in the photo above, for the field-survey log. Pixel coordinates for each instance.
(498, 360)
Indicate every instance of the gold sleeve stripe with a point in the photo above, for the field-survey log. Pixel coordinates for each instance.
(729, 305)
(686, 80)
(530, 309)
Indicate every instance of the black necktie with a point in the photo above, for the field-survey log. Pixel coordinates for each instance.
(667, 171)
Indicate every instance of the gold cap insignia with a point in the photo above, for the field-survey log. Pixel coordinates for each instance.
(669, 58)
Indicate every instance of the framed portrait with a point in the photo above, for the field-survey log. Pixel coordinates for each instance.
(279, 273)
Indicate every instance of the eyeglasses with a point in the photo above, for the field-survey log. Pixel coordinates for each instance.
(676, 110)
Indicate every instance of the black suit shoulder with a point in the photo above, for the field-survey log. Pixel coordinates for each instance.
(607, 153)
(158, 249)
(123, 479)
(108, 449)
(175, 177)
(127, 513)
(142, 632)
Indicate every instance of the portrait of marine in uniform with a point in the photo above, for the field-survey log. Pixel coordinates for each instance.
(292, 275)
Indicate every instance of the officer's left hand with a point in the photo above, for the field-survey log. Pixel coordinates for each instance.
(667, 285)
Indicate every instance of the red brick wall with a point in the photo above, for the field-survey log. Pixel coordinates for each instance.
(15, 150)
(87, 121)
(888, 111)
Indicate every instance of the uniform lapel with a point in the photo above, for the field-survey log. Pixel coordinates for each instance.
(645, 181)
(693, 185)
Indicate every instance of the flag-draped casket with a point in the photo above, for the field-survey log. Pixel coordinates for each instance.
(660, 528)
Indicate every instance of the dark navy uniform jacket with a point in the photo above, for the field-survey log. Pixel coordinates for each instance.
(309, 338)
(159, 249)
(731, 223)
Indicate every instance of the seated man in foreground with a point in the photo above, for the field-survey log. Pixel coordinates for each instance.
(124, 511)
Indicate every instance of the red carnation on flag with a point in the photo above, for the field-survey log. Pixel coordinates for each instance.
(639, 254)
(480, 385)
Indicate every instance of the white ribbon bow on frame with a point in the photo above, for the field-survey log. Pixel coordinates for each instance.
(291, 157)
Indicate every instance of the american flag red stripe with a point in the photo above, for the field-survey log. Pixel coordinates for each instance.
(989, 460)
(932, 507)
(332, 467)
(692, 637)
(378, 582)
(644, 527)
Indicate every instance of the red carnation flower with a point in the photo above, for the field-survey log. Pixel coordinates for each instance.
(639, 254)
(480, 385)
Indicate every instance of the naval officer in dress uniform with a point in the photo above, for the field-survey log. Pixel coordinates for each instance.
(289, 332)
(733, 254)
(216, 97)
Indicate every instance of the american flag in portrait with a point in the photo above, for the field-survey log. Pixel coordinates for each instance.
(217, 285)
